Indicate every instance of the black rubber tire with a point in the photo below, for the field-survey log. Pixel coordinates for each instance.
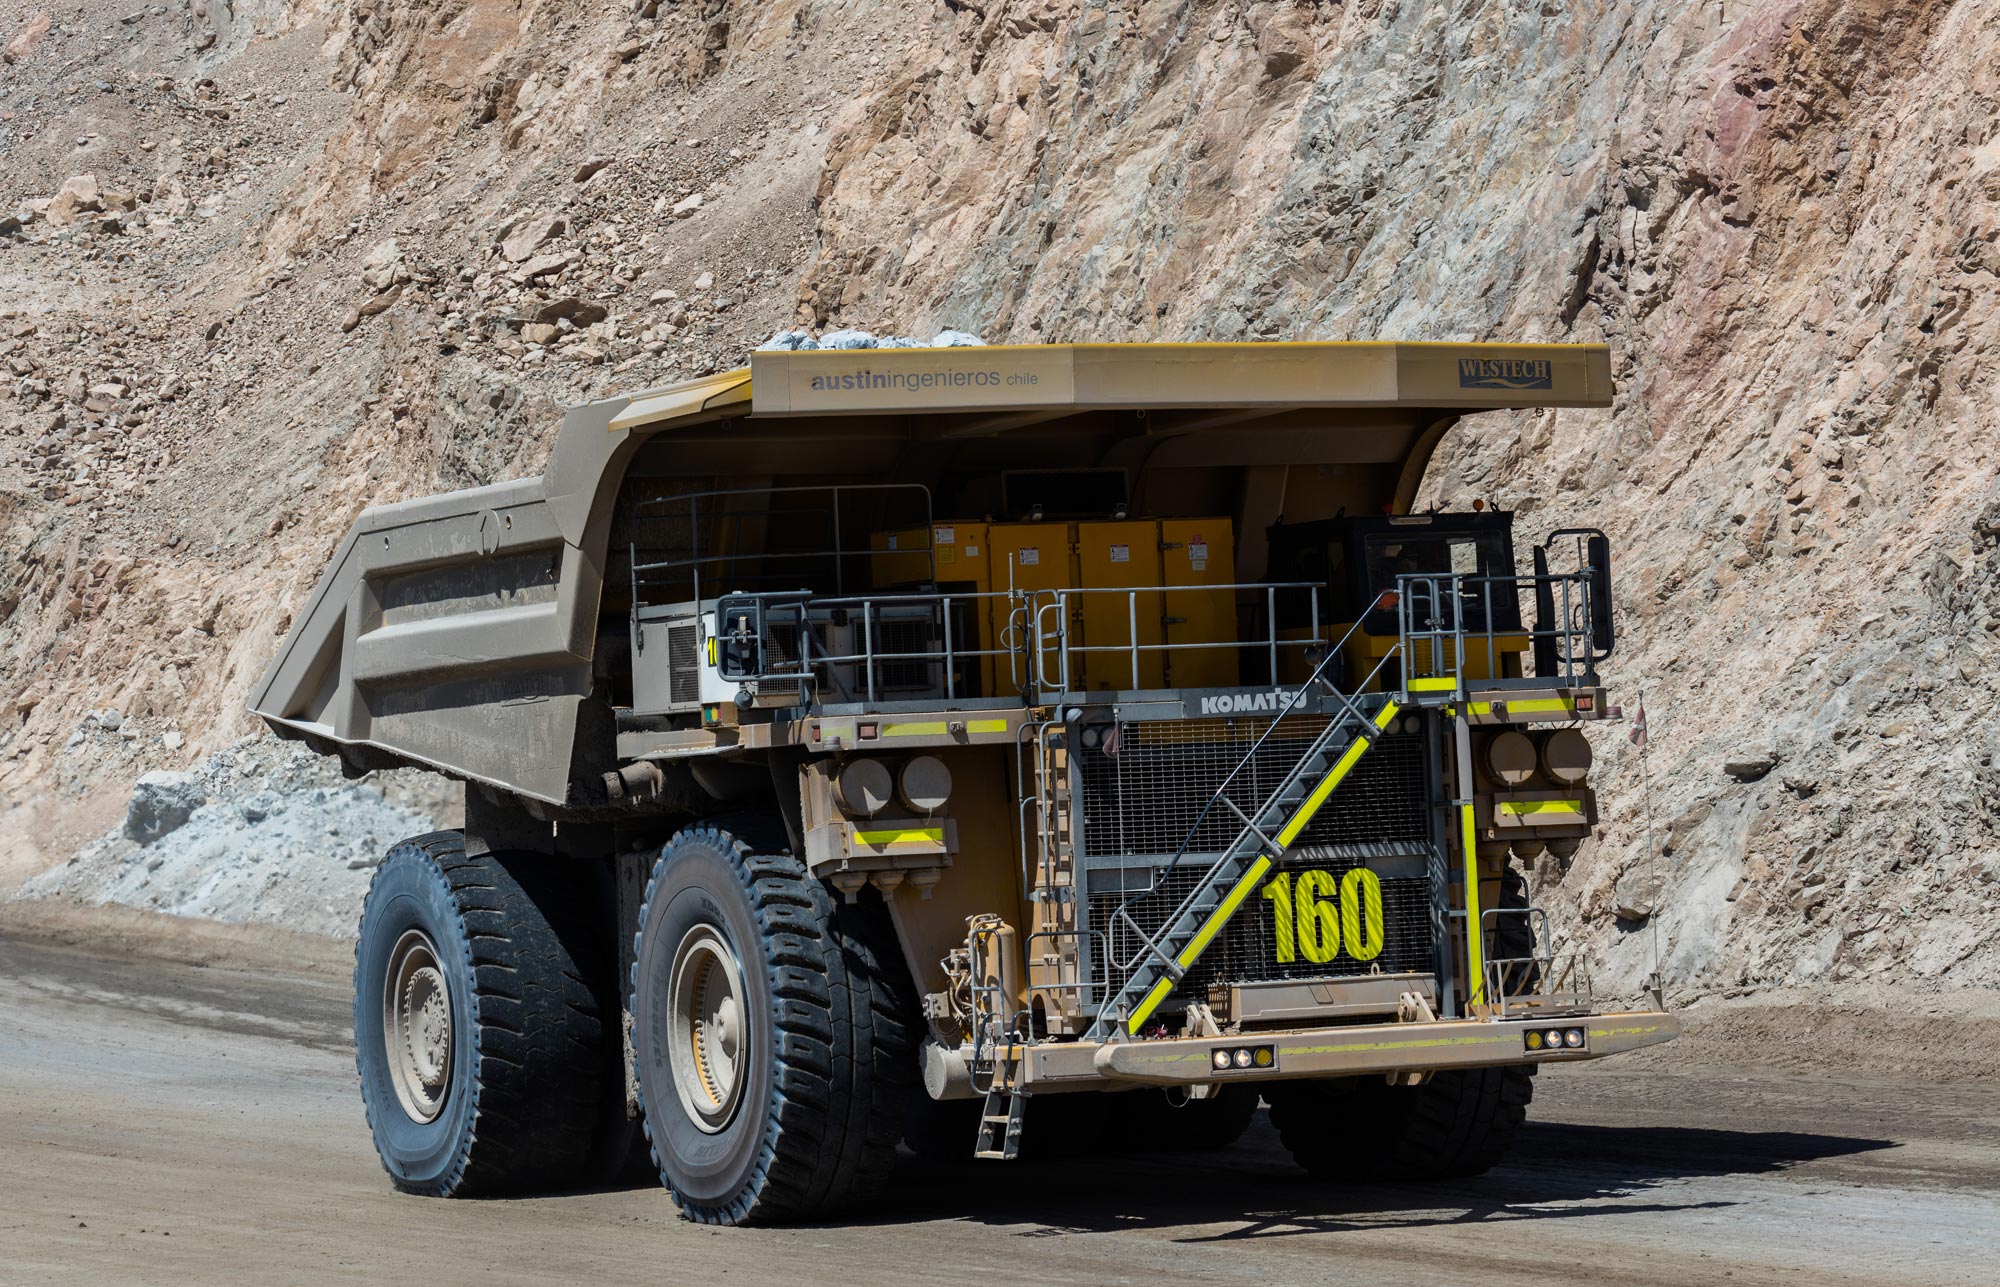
(831, 1063)
(1147, 1121)
(1457, 1124)
(529, 1025)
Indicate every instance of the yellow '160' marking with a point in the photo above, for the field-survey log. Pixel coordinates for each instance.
(1308, 919)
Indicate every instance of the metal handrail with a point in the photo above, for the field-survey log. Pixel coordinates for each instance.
(1056, 641)
(1422, 592)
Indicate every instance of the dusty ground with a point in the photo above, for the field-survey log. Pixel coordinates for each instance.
(161, 1122)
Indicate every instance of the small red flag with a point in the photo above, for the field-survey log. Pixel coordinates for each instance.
(1638, 733)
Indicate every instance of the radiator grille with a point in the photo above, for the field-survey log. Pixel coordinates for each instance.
(905, 635)
(1247, 951)
(1143, 799)
(683, 664)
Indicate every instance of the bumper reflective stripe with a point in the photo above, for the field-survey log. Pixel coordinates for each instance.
(1433, 685)
(986, 726)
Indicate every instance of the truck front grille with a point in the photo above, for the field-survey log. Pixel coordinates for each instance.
(1144, 799)
(1248, 950)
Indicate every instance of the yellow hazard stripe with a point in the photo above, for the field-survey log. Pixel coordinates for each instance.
(940, 728)
(1218, 918)
(1341, 768)
(1151, 1003)
(1528, 706)
(1475, 950)
(901, 836)
(1520, 808)
(1445, 685)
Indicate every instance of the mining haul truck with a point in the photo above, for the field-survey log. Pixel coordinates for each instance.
(978, 749)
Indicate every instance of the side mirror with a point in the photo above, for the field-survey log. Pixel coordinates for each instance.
(1597, 548)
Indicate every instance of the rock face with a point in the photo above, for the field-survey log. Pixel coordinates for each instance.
(1783, 215)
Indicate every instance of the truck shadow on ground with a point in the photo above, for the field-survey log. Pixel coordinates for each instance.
(1556, 1172)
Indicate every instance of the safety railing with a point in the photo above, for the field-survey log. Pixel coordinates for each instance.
(1142, 616)
(793, 636)
(1445, 620)
(1539, 982)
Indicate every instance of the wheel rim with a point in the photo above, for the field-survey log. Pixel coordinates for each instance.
(707, 1038)
(416, 1026)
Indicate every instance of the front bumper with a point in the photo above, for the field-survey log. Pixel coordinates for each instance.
(1342, 1052)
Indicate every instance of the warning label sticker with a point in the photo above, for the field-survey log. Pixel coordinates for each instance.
(1121, 554)
(1030, 556)
(945, 535)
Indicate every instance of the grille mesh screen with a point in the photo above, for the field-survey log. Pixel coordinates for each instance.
(1142, 800)
(683, 660)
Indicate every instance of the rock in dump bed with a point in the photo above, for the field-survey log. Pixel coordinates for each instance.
(849, 339)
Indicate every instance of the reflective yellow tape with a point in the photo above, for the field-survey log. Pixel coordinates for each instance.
(1150, 1004)
(1433, 685)
(901, 836)
(1529, 706)
(1383, 716)
(1520, 808)
(1220, 916)
(711, 650)
(986, 726)
(1475, 949)
(921, 728)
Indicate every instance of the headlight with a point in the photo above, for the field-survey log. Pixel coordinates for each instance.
(864, 786)
(925, 783)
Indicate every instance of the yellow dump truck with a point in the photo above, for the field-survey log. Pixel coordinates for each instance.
(1070, 744)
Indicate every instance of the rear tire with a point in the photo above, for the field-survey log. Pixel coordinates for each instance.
(1457, 1124)
(772, 1031)
(479, 1020)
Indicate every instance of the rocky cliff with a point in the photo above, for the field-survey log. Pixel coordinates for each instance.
(263, 264)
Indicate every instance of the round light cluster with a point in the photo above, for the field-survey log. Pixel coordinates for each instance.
(1222, 1059)
(1539, 1040)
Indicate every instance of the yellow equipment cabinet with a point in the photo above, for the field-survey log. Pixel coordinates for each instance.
(1195, 553)
(1029, 557)
(1113, 556)
(901, 558)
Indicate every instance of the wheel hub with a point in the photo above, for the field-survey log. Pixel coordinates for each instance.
(417, 1027)
(707, 1035)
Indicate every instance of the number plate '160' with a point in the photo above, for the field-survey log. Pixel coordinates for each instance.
(1315, 914)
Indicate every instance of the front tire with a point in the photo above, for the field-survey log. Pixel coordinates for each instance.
(771, 1030)
(479, 1024)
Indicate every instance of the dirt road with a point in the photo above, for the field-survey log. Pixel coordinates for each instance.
(164, 1123)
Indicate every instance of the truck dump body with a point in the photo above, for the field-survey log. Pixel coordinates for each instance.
(458, 632)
